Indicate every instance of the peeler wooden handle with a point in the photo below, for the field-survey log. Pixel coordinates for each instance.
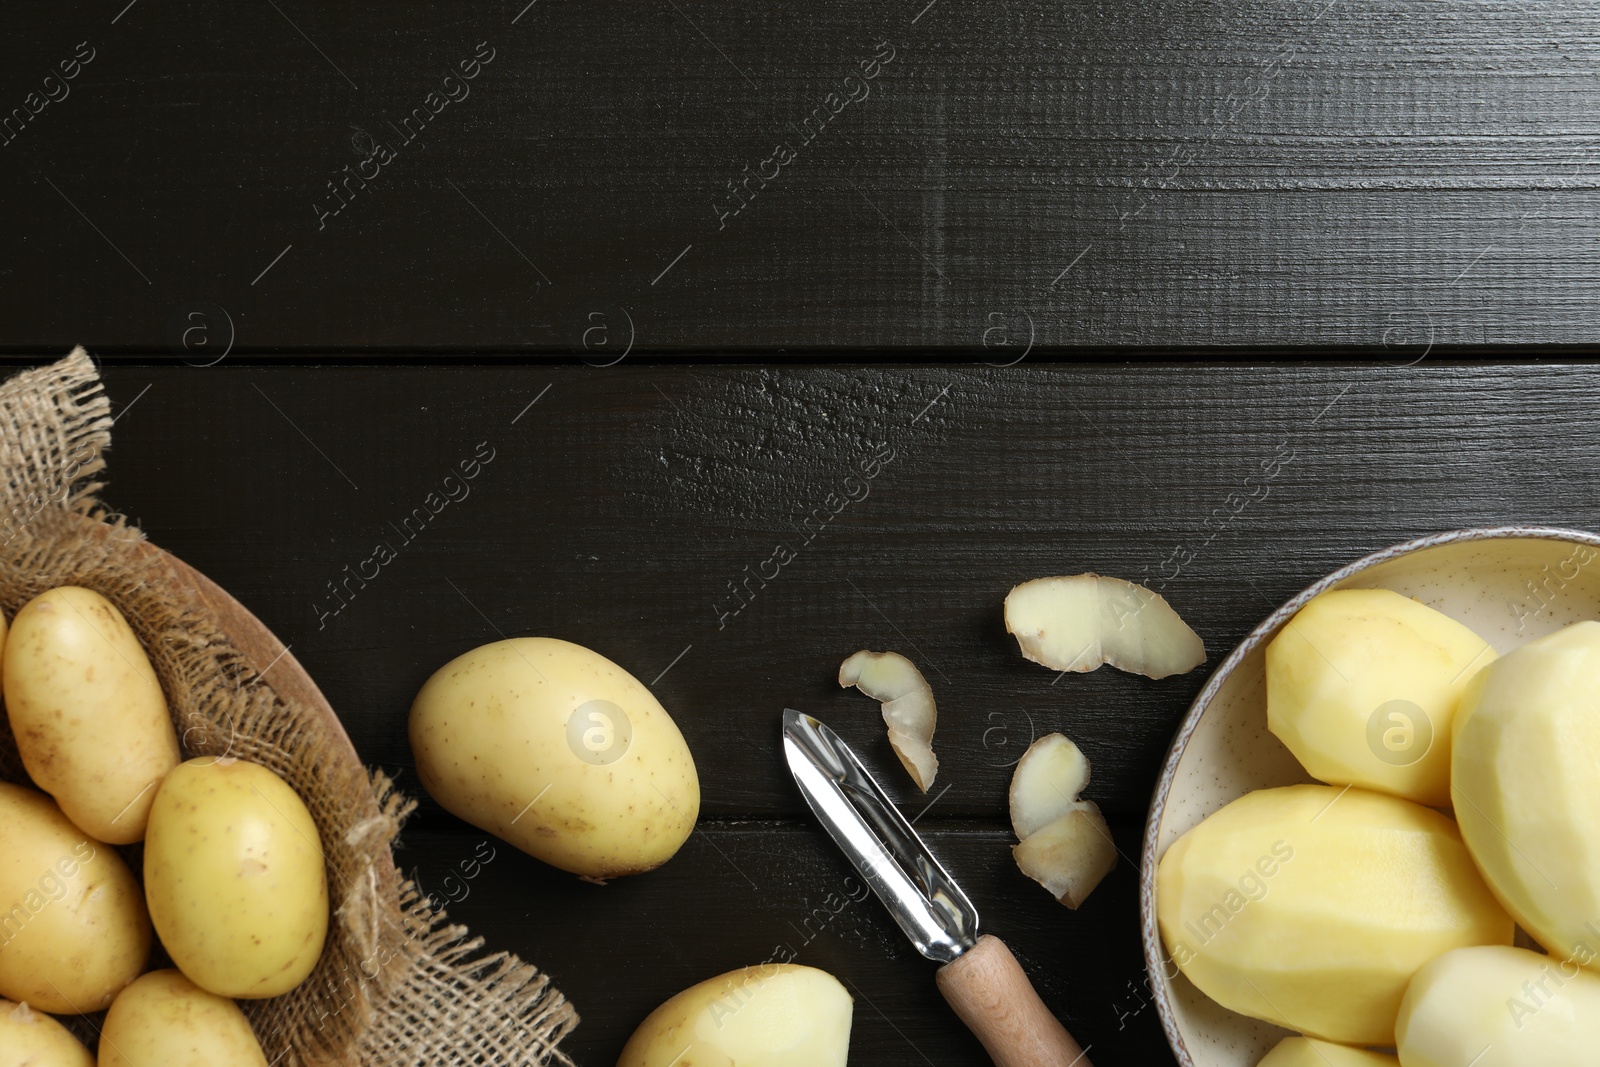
(989, 991)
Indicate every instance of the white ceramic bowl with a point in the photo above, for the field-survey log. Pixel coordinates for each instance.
(1510, 584)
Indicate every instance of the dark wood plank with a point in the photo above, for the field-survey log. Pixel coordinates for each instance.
(619, 505)
(1272, 172)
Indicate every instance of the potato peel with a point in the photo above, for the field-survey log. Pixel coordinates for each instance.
(1065, 843)
(908, 707)
(1078, 622)
(1046, 784)
(1070, 856)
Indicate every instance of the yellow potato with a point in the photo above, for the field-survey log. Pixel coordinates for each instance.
(73, 928)
(771, 1015)
(1501, 1007)
(31, 1039)
(559, 751)
(90, 719)
(165, 1020)
(1362, 686)
(234, 873)
(1527, 784)
(1311, 907)
(1309, 1052)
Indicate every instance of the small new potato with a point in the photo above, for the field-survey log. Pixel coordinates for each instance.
(73, 927)
(558, 751)
(32, 1039)
(165, 1020)
(234, 872)
(87, 709)
(1363, 685)
(771, 1015)
(1495, 1006)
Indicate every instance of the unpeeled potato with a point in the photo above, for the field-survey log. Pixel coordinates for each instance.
(772, 1015)
(559, 751)
(32, 1039)
(73, 929)
(235, 876)
(87, 710)
(165, 1020)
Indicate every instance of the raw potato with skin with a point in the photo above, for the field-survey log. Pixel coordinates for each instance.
(1363, 687)
(90, 719)
(1501, 1007)
(32, 1039)
(1080, 621)
(235, 877)
(1309, 1052)
(560, 752)
(165, 1020)
(1527, 784)
(73, 927)
(908, 708)
(1065, 843)
(1311, 907)
(772, 1015)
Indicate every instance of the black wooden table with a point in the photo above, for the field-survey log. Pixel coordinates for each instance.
(621, 502)
(352, 232)
(328, 177)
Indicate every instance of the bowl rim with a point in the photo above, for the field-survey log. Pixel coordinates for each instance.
(1155, 971)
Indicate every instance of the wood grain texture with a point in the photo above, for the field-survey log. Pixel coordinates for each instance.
(1271, 172)
(620, 504)
(991, 993)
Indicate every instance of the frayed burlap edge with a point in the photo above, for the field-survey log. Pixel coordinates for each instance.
(397, 985)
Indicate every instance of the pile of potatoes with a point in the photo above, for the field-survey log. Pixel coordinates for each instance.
(234, 882)
(1381, 910)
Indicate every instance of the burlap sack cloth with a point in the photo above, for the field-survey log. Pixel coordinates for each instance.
(397, 986)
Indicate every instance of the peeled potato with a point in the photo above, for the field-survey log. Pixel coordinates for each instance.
(1065, 843)
(235, 876)
(165, 1020)
(31, 1039)
(75, 930)
(1363, 685)
(908, 708)
(558, 751)
(1080, 621)
(1527, 784)
(1501, 1007)
(1309, 1052)
(87, 709)
(1312, 907)
(772, 1015)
